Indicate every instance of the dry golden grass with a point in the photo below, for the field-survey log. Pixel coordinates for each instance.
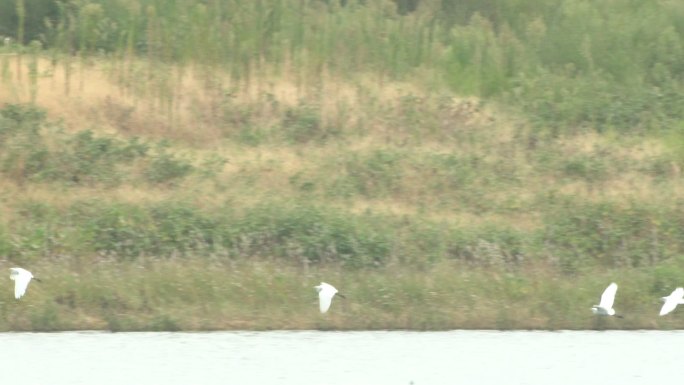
(97, 96)
(120, 99)
(100, 100)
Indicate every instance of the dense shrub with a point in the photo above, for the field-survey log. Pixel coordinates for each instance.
(165, 167)
(299, 233)
(37, 150)
(607, 234)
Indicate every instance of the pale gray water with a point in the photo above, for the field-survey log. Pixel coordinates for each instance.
(344, 358)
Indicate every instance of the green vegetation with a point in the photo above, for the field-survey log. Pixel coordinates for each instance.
(201, 165)
(572, 65)
(213, 293)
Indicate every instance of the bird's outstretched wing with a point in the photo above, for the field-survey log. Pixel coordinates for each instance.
(668, 306)
(326, 292)
(672, 301)
(608, 296)
(678, 293)
(324, 302)
(21, 280)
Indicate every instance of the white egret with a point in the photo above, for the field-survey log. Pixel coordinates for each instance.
(605, 307)
(326, 292)
(21, 278)
(672, 300)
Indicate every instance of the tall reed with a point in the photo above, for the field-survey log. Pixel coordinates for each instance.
(547, 60)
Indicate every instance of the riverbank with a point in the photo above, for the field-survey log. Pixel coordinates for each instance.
(484, 167)
(209, 294)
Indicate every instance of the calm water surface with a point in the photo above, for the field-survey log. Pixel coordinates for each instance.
(344, 358)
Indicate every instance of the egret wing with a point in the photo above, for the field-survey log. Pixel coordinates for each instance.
(678, 293)
(324, 301)
(21, 279)
(608, 296)
(672, 301)
(326, 292)
(669, 305)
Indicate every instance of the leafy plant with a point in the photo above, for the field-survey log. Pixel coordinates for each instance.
(166, 167)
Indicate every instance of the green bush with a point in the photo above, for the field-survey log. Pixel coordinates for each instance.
(84, 157)
(23, 116)
(303, 123)
(588, 167)
(310, 234)
(607, 234)
(36, 150)
(165, 167)
(124, 231)
(374, 174)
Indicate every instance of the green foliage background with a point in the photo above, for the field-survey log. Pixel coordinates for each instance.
(574, 181)
(571, 64)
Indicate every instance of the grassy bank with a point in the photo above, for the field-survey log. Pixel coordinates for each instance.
(214, 294)
(421, 229)
(479, 167)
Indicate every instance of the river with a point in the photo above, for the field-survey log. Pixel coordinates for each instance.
(342, 358)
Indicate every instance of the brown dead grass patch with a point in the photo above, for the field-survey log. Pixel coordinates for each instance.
(185, 104)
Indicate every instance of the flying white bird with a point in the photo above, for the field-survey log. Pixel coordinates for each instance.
(671, 301)
(605, 307)
(21, 278)
(326, 292)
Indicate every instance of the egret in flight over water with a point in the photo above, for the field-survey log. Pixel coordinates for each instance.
(605, 307)
(326, 292)
(672, 300)
(21, 278)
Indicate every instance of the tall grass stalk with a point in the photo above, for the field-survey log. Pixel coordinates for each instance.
(21, 16)
(33, 70)
(533, 57)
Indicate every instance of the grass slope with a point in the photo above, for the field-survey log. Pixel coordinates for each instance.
(156, 192)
